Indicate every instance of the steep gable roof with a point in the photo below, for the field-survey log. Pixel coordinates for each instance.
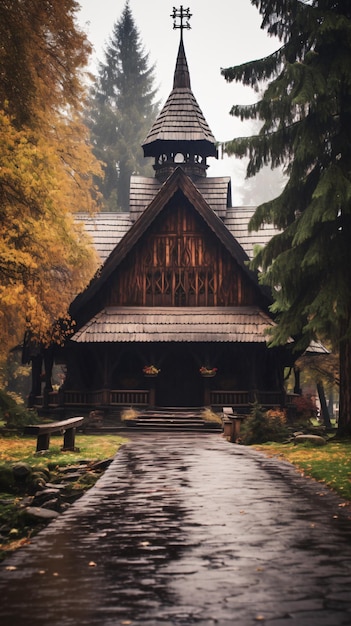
(237, 221)
(216, 191)
(105, 229)
(177, 181)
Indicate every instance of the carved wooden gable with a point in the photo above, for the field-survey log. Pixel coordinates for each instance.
(179, 261)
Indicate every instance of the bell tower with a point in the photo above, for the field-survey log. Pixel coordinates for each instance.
(180, 136)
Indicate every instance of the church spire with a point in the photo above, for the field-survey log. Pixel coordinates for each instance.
(180, 137)
(181, 74)
(184, 16)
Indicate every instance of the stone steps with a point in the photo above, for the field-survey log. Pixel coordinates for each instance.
(172, 419)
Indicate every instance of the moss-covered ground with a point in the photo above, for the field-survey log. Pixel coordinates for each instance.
(16, 528)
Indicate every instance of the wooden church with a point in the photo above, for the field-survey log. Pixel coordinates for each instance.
(174, 317)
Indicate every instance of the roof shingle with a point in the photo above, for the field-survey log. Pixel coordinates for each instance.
(175, 324)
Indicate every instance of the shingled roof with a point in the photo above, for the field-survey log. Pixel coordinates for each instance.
(237, 220)
(216, 191)
(108, 229)
(181, 123)
(174, 324)
(105, 229)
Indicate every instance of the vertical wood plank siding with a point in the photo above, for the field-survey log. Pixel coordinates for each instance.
(180, 262)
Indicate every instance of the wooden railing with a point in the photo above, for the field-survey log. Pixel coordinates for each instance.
(98, 398)
(229, 398)
(84, 398)
(129, 397)
(140, 397)
(243, 399)
(54, 398)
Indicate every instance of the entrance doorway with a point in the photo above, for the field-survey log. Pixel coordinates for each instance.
(179, 383)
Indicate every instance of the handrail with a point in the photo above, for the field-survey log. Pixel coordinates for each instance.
(140, 397)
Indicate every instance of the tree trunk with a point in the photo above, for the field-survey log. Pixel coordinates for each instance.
(331, 403)
(344, 423)
(324, 408)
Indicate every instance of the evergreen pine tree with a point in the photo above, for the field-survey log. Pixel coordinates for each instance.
(306, 113)
(121, 111)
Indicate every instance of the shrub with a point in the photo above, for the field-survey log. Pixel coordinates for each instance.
(210, 416)
(15, 415)
(129, 414)
(262, 426)
(276, 419)
(7, 479)
(305, 409)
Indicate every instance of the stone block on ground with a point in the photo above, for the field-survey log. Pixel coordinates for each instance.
(316, 440)
(40, 514)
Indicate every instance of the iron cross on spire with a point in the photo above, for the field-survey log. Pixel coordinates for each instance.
(184, 16)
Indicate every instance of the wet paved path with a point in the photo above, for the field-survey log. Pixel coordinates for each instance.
(182, 530)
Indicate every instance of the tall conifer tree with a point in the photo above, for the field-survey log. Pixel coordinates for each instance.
(122, 109)
(306, 115)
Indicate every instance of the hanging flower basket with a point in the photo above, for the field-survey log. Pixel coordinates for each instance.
(208, 372)
(151, 371)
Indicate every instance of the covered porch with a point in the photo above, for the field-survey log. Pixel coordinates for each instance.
(202, 357)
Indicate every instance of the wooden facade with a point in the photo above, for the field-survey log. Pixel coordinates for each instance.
(180, 263)
(175, 291)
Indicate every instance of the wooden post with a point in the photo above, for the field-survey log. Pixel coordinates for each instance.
(231, 424)
(152, 394)
(48, 365)
(69, 439)
(236, 428)
(106, 397)
(36, 379)
(227, 428)
(43, 442)
(208, 385)
(207, 395)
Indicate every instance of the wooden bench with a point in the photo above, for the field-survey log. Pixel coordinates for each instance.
(231, 423)
(43, 432)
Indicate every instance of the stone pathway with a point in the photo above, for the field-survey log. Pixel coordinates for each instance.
(185, 529)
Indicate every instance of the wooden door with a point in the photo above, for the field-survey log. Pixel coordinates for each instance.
(179, 383)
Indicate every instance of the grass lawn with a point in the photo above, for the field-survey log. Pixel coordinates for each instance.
(15, 527)
(13, 449)
(329, 464)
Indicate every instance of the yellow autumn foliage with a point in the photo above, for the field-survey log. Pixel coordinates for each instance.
(46, 167)
(45, 257)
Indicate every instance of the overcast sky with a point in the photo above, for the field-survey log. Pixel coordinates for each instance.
(223, 33)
